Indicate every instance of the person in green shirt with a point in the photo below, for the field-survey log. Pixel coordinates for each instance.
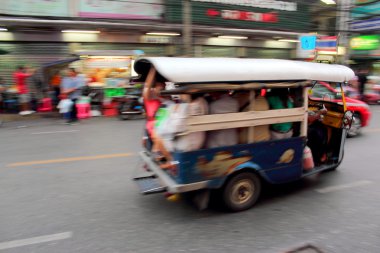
(280, 99)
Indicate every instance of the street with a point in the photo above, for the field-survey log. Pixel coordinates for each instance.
(69, 189)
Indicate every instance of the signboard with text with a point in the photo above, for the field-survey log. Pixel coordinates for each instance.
(244, 15)
(53, 8)
(365, 42)
(247, 14)
(306, 46)
(122, 9)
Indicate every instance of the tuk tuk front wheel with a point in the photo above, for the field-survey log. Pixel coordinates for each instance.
(241, 191)
(355, 126)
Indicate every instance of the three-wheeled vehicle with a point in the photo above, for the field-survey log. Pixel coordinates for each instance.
(237, 171)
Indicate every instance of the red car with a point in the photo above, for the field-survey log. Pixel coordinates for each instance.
(370, 97)
(361, 110)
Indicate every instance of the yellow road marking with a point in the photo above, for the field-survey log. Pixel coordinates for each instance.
(71, 159)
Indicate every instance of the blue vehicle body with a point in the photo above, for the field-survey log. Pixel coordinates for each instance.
(278, 161)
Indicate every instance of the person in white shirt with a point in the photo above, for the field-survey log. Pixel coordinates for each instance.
(223, 103)
(193, 141)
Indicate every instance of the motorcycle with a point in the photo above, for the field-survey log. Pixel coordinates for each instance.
(131, 106)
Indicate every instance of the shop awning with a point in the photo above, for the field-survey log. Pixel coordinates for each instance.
(60, 63)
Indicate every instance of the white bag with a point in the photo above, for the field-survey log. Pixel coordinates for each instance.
(175, 120)
(65, 105)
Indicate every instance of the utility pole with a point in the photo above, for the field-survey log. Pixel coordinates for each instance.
(342, 25)
(186, 30)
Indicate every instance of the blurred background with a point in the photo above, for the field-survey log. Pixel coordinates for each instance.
(68, 188)
(102, 38)
(38, 32)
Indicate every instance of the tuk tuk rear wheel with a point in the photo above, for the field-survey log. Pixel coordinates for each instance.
(241, 191)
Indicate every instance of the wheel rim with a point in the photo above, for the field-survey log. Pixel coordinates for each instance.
(355, 126)
(242, 192)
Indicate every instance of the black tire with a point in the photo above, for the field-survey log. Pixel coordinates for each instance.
(241, 191)
(356, 126)
(122, 108)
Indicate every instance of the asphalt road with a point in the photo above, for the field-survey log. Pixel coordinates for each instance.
(69, 189)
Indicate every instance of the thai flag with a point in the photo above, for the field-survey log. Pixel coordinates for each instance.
(327, 43)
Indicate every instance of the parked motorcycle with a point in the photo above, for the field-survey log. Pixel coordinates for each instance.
(131, 106)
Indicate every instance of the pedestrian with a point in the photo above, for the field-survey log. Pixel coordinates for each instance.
(362, 80)
(20, 76)
(3, 88)
(72, 88)
(55, 83)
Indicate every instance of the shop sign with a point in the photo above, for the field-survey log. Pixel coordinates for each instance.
(53, 8)
(308, 42)
(306, 47)
(366, 10)
(244, 15)
(122, 9)
(155, 39)
(108, 62)
(365, 42)
(269, 4)
(241, 14)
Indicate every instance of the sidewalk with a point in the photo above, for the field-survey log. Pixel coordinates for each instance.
(16, 117)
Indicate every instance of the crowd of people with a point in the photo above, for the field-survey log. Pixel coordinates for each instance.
(64, 91)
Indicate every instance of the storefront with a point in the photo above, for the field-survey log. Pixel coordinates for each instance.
(251, 28)
(365, 46)
(365, 52)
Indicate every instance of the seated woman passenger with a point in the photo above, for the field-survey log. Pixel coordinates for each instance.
(261, 132)
(193, 141)
(222, 103)
(280, 99)
(172, 122)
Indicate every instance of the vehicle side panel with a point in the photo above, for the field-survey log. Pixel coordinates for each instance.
(276, 161)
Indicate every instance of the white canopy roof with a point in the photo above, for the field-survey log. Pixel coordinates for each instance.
(208, 70)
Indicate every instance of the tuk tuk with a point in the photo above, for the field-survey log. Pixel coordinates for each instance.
(237, 171)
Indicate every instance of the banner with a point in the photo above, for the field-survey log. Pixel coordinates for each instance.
(122, 9)
(52, 8)
(269, 4)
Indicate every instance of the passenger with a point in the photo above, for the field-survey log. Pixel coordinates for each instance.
(193, 141)
(172, 122)
(317, 136)
(260, 133)
(152, 102)
(280, 99)
(223, 103)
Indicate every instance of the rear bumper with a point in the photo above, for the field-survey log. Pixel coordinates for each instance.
(167, 181)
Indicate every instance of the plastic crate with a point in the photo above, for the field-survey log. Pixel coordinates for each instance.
(114, 92)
